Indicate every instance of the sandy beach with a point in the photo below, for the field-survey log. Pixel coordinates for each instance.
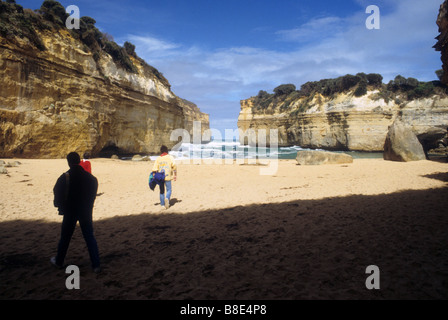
(305, 232)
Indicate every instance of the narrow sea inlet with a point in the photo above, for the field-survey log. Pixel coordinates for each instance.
(234, 150)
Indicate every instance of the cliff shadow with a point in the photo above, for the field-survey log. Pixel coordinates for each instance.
(438, 158)
(309, 249)
(442, 176)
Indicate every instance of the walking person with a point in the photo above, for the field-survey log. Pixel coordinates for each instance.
(74, 195)
(165, 163)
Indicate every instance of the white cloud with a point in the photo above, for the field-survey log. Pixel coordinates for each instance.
(402, 45)
(318, 28)
(153, 45)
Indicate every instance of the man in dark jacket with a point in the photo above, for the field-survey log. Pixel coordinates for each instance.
(74, 195)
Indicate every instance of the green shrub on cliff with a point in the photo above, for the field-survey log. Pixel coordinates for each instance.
(400, 89)
(89, 35)
(17, 22)
(262, 95)
(400, 83)
(263, 100)
(96, 41)
(331, 87)
(284, 89)
(347, 82)
(375, 79)
(54, 12)
(130, 49)
(119, 55)
(361, 90)
(308, 88)
(411, 88)
(422, 89)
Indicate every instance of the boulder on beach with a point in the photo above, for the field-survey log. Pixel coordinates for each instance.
(402, 144)
(137, 157)
(12, 164)
(322, 157)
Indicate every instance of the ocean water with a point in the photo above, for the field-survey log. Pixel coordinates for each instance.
(234, 150)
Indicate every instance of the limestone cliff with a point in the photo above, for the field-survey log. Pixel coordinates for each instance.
(61, 96)
(349, 113)
(442, 43)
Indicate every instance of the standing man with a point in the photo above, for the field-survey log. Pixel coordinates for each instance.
(165, 163)
(74, 195)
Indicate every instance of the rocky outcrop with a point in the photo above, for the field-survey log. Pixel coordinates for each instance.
(322, 157)
(66, 98)
(442, 43)
(10, 164)
(193, 114)
(347, 119)
(402, 144)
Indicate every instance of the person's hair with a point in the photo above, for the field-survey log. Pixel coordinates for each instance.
(164, 149)
(73, 158)
(86, 155)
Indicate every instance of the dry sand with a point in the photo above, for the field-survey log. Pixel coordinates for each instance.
(306, 232)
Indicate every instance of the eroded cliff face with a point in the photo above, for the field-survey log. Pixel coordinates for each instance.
(442, 43)
(344, 121)
(60, 100)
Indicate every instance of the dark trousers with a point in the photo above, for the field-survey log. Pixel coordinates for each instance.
(67, 229)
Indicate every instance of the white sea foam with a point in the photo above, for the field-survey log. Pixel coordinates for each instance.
(226, 150)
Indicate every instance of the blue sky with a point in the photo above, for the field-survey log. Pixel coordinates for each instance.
(216, 53)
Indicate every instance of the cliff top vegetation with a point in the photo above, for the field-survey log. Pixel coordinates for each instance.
(358, 85)
(15, 21)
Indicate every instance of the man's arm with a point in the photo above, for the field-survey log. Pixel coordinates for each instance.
(59, 192)
(155, 167)
(174, 168)
(94, 190)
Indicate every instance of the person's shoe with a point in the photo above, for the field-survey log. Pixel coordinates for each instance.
(97, 270)
(167, 204)
(53, 262)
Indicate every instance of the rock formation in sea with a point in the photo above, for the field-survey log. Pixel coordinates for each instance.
(67, 90)
(350, 113)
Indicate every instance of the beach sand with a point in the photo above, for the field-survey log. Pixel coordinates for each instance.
(305, 232)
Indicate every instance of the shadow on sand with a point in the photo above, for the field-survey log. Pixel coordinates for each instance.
(310, 249)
